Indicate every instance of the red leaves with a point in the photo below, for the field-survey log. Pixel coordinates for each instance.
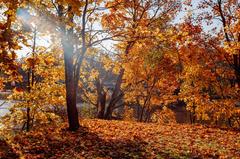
(32, 61)
(118, 139)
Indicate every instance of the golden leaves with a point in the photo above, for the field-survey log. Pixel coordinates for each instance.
(31, 62)
(118, 139)
(94, 74)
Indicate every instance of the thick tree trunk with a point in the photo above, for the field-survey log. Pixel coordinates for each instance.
(71, 95)
(71, 90)
(72, 66)
(70, 81)
(72, 108)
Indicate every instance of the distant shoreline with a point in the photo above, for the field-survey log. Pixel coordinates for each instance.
(4, 94)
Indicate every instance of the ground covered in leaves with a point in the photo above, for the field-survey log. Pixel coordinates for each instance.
(121, 139)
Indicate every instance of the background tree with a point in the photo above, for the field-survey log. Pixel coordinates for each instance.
(38, 102)
(131, 20)
(10, 39)
(97, 81)
(225, 13)
(207, 80)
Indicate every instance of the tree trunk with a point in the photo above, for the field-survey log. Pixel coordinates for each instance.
(141, 114)
(108, 114)
(148, 115)
(70, 82)
(72, 106)
(236, 59)
(72, 110)
(101, 106)
(28, 119)
(71, 90)
(115, 95)
(101, 99)
(71, 79)
(31, 79)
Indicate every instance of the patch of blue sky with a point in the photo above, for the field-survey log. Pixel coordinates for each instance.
(194, 11)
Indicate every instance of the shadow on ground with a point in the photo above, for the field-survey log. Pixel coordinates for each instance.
(6, 152)
(81, 144)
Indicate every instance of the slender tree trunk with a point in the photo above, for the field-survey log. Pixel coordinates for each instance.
(31, 79)
(101, 105)
(101, 111)
(101, 99)
(229, 122)
(236, 62)
(141, 114)
(115, 95)
(108, 114)
(191, 118)
(28, 119)
(148, 115)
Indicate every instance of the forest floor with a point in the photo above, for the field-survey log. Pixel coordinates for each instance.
(122, 139)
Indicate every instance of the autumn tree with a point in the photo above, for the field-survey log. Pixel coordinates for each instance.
(151, 71)
(131, 20)
(25, 26)
(78, 26)
(99, 73)
(225, 13)
(223, 37)
(206, 77)
(40, 96)
(148, 88)
(10, 39)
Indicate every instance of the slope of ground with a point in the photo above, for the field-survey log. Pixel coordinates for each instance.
(121, 139)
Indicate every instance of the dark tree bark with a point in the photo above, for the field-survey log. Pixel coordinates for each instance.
(117, 94)
(31, 80)
(101, 101)
(71, 94)
(236, 57)
(101, 106)
(70, 80)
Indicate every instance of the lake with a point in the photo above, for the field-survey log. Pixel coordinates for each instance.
(4, 108)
